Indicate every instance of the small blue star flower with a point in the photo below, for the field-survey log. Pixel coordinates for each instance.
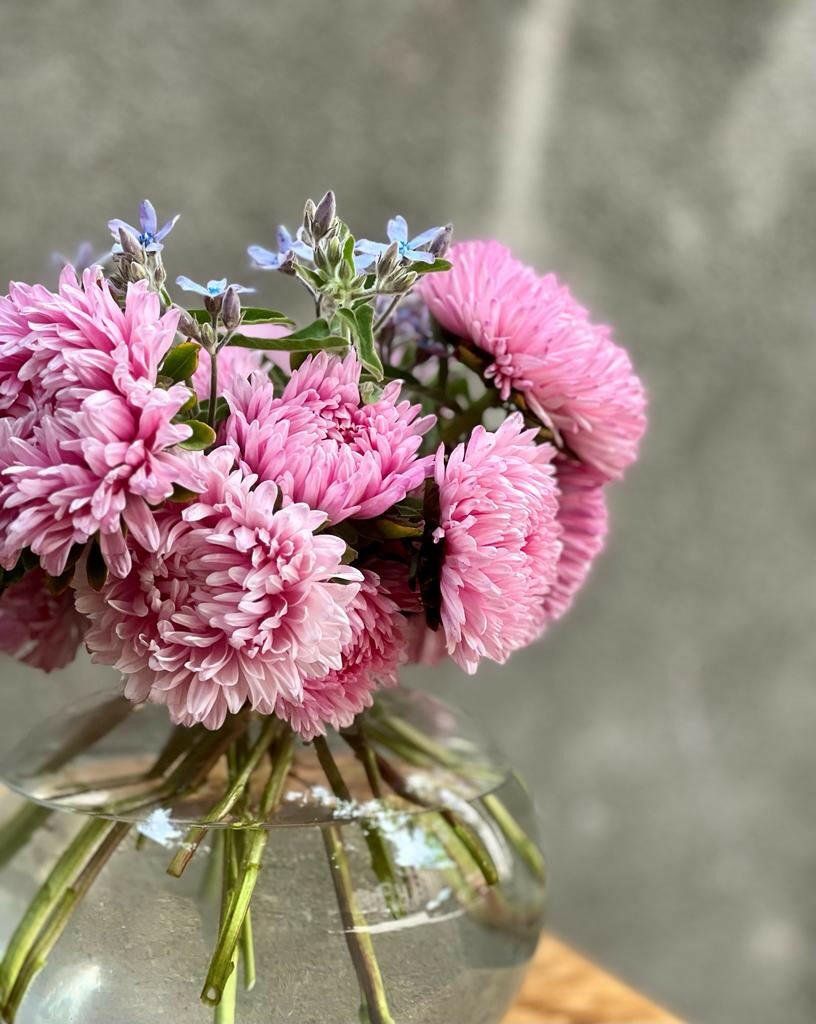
(149, 233)
(210, 290)
(397, 231)
(266, 259)
(86, 256)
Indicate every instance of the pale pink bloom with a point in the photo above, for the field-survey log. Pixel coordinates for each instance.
(40, 628)
(339, 455)
(426, 646)
(370, 661)
(66, 346)
(498, 507)
(239, 604)
(234, 364)
(583, 518)
(18, 395)
(96, 470)
(539, 341)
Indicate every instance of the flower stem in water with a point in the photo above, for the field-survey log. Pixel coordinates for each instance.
(374, 1008)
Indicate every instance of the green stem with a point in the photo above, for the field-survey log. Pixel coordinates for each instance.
(69, 901)
(384, 317)
(237, 906)
(516, 836)
(49, 894)
(381, 861)
(235, 792)
(464, 835)
(355, 930)
(16, 832)
(495, 807)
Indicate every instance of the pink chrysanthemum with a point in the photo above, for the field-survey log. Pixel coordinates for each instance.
(583, 518)
(234, 365)
(498, 507)
(239, 603)
(98, 448)
(95, 470)
(541, 343)
(40, 628)
(65, 346)
(370, 661)
(342, 456)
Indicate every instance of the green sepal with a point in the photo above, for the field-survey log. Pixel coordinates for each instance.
(201, 438)
(181, 362)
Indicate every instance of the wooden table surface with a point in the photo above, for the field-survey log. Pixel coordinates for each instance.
(563, 987)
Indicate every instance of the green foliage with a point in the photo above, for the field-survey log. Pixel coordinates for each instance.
(181, 362)
(201, 438)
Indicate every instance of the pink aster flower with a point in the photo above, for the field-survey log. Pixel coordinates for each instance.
(65, 346)
(95, 470)
(234, 365)
(341, 456)
(583, 518)
(18, 394)
(40, 628)
(240, 604)
(370, 661)
(502, 541)
(539, 341)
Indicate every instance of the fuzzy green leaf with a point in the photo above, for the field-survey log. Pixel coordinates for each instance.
(366, 349)
(201, 438)
(181, 362)
(431, 268)
(257, 315)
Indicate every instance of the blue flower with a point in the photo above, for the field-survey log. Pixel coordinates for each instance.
(149, 234)
(397, 231)
(210, 290)
(86, 256)
(266, 259)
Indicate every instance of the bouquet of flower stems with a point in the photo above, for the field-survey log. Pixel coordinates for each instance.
(257, 523)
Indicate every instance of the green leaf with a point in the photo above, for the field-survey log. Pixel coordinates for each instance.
(370, 392)
(202, 436)
(348, 251)
(348, 316)
(181, 362)
(289, 343)
(257, 315)
(181, 495)
(222, 410)
(431, 268)
(365, 342)
(312, 338)
(201, 316)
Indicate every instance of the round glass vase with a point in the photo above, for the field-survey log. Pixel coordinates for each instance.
(402, 886)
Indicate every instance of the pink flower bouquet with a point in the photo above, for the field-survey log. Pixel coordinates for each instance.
(256, 524)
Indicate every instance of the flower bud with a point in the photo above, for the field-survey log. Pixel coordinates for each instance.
(287, 264)
(188, 325)
(136, 272)
(441, 242)
(231, 308)
(324, 215)
(130, 244)
(212, 303)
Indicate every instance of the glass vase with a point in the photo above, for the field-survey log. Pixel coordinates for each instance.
(414, 897)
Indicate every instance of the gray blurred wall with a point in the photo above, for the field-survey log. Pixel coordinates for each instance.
(660, 157)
